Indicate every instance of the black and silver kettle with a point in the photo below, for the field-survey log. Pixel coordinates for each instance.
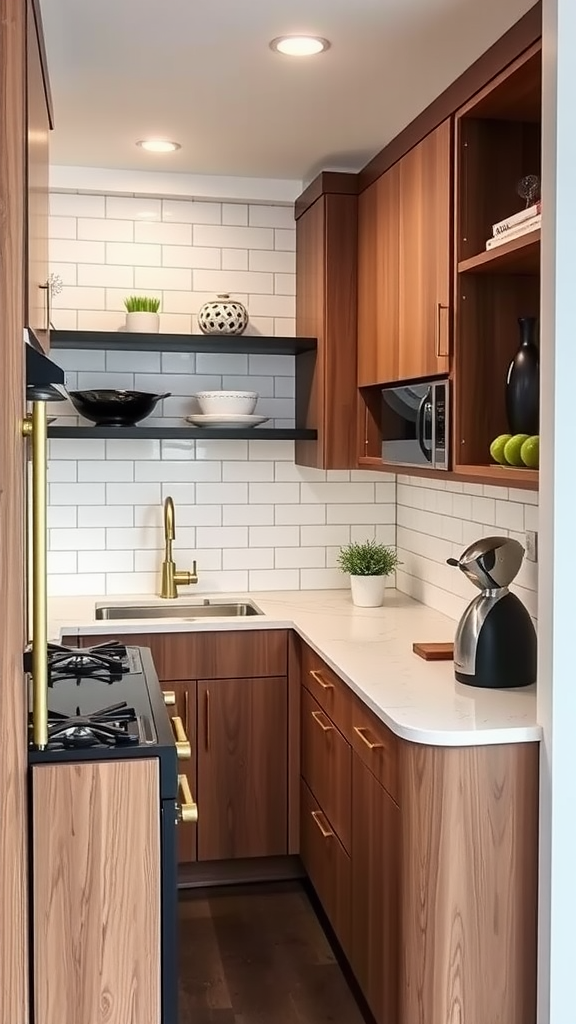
(495, 643)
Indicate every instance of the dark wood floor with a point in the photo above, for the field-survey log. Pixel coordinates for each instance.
(258, 955)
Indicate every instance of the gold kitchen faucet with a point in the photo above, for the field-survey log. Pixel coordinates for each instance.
(172, 578)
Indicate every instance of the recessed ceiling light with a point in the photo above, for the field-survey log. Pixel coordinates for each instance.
(158, 145)
(300, 46)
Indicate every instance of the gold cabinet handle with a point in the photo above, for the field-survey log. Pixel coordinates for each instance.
(169, 697)
(187, 810)
(361, 731)
(186, 712)
(317, 716)
(35, 427)
(207, 719)
(326, 831)
(183, 747)
(316, 675)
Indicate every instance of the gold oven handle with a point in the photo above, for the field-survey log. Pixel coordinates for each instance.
(183, 747)
(187, 810)
(36, 428)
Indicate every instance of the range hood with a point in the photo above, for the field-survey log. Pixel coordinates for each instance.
(43, 377)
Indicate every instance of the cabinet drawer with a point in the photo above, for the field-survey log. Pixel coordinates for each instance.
(327, 688)
(235, 654)
(327, 865)
(376, 745)
(327, 766)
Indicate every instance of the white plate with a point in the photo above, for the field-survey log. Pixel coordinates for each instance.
(226, 420)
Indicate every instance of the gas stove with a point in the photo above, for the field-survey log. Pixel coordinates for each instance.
(103, 701)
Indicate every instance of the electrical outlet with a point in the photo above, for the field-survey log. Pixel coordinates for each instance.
(531, 545)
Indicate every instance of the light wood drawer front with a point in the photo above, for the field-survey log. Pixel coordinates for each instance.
(327, 688)
(327, 865)
(327, 766)
(376, 745)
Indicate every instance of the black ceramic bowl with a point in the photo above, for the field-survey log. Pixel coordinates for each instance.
(114, 408)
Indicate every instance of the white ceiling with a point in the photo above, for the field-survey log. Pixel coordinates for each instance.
(201, 72)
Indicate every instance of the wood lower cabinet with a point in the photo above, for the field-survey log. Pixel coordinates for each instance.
(374, 952)
(326, 766)
(327, 865)
(242, 768)
(96, 892)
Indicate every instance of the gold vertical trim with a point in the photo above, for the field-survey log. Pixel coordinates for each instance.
(36, 427)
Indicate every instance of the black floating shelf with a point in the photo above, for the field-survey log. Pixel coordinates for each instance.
(125, 342)
(176, 433)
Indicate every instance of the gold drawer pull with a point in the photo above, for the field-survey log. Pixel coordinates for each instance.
(169, 698)
(183, 748)
(317, 716)
(187, 810)
(360, 730)
(316, 675)
(326, 832)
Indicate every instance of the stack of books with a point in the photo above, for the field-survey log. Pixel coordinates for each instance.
(516, 225)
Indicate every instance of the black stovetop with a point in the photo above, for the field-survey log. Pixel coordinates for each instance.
(105, 711)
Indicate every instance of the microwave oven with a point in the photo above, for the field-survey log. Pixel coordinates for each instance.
(415, 420)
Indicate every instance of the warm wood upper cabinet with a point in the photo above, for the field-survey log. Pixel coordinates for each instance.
(404, 245)
(38, 113)
(378, 283)
(326, 309)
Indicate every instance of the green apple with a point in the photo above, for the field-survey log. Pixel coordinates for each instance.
(497, 448)
(530, 452)
(512, 449)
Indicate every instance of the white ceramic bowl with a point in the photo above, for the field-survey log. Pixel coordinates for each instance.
(229, 403)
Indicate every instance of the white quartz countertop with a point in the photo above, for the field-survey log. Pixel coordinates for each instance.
(369, 648)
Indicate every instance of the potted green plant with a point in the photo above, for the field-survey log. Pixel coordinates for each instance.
(142, 314)
(368, 563)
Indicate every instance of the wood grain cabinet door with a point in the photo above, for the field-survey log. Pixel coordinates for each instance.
(375, 892)
(425, 256)
(185, 708)
(37, 192)
(378, 284)
(242, 768)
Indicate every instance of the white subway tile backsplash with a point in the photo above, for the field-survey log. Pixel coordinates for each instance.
(235, 493)
(274, 579)
(284, 240)
(274, 536)
(300, 515)
(105, 276)
(68, 250)
(316, 536)
(133, 494)
(222, 536)
(249, 471)
(105, 561)
(105, 471)
(131, 448)
(248, 558)
(61, 472)
(77, 494)
(283, 493)
(229, 237)
(183, 471)
(272, 262)
(235, 213)
(300, 558)
(338, 493)
(100, 229)
(62, 227)
(63, 516)
(191, 212)
(132, 253)
(247, 515)
(484, 510)
(510, 515)
(135, 208)
(59, 562)
(84, 297)
(163, 233)
(92, 539)
(233, 281)
(197, 257)
(235, 259)
(71, 585)
(74, 205)
(152, 279)
(105, 515)
(322, 579)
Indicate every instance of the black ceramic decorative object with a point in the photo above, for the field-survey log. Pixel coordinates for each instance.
(523, 382)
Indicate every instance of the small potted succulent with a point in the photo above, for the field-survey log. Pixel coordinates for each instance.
(368, 564)
(142, 314)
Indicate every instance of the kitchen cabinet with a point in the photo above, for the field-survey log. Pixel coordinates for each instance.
(441, 867)
(236, 716)
(39, 125)
(424, 256)
(378, 280)
(242, 768)
(326, 308)
(96, 882)
(375, 890)
(404, 246)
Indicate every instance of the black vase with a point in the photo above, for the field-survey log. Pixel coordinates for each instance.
(523, 382)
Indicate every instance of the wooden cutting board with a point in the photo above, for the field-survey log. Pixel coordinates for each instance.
(434, 652)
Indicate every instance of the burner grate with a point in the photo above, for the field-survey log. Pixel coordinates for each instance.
(105, 662)
(110, 727)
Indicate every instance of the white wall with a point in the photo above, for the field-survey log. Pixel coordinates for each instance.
(251, 518)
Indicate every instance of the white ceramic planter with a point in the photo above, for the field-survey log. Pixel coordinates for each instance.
(368, 591)
(142, 323)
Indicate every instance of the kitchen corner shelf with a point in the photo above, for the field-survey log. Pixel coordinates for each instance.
(190, 433)
(518, 256)
(253, 344)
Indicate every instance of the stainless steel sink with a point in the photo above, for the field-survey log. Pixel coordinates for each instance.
(206, 609)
